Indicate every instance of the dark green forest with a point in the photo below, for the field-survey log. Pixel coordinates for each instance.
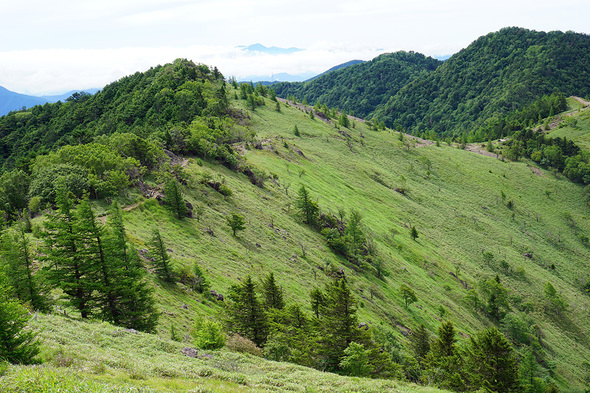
(360, 88)
(477, 88)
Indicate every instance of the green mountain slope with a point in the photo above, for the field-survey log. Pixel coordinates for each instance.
(477, 218)
(498, 73)
(362, 87)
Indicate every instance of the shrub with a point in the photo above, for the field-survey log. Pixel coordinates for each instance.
(208, 334)
(241, 344)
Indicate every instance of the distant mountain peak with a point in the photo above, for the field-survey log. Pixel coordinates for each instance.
(273, 50)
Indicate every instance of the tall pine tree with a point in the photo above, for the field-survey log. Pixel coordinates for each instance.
(18, 260)
(68, 271)
(338, 322)
(162, 264)
(272, 293)
(136, 304)
(492, 362)
(246, 314)
(174, 199)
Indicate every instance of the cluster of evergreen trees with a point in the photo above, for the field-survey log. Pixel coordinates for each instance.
(345, 235)
(330, 339)
(98, 272)
(554, 153)
(487, 361)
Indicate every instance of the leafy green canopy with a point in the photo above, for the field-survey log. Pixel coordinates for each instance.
(362, 87)
(144, 104)
(498, 73)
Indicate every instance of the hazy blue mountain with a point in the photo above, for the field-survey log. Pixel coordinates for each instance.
(280, 77)
(11, 101)
(273, 50)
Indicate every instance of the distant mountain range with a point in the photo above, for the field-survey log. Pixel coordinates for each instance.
(273, 50)
(11, 101)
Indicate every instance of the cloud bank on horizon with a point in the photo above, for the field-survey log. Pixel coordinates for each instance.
(69, 44)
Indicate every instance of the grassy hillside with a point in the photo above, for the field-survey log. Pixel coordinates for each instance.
(98, 357)
(575, 124)
(477, 218)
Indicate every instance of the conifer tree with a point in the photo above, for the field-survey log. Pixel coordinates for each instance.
(68, 272)
(318, 300)
(339, 323)
(92, 250)
(272, 293)
(200, 283)
(420, 343)
(135, 298)
(246, 314)
(443, 362)
(492, 362)
(18, 258)
(174, 199)
(161, 258)
(307, 207)
(354, 236)
(17, 343)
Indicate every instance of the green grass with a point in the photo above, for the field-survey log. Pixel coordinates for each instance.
(97, 357)
(453, 198)
(580, 132)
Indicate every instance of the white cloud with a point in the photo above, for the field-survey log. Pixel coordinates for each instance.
(40, 72)
(65, 44)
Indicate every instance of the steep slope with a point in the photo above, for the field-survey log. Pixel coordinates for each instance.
(498, 73)
(361, 87)
(477, 218)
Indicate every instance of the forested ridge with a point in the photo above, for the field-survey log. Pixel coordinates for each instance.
(360, 88)
(498, 74)
(420, 263)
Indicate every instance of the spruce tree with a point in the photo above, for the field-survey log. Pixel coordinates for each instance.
(162, 264)
(318, 300)
(18, 258)
(307, 207)
(443, 363)
(200, 283)
(272, 293)
(137, 309)
(246, 314)
(339, 323)
(18, 344)
(492, 362)
(355, 238)
(420, 343)
(174, 199)
(92, 250)
(68, 272)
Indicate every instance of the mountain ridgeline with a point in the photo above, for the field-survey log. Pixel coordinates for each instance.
(360, 88)
(497, 74)
(243, 222)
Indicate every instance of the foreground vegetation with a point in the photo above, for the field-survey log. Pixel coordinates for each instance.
(97, 357)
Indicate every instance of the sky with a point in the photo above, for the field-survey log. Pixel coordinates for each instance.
(51, 47)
